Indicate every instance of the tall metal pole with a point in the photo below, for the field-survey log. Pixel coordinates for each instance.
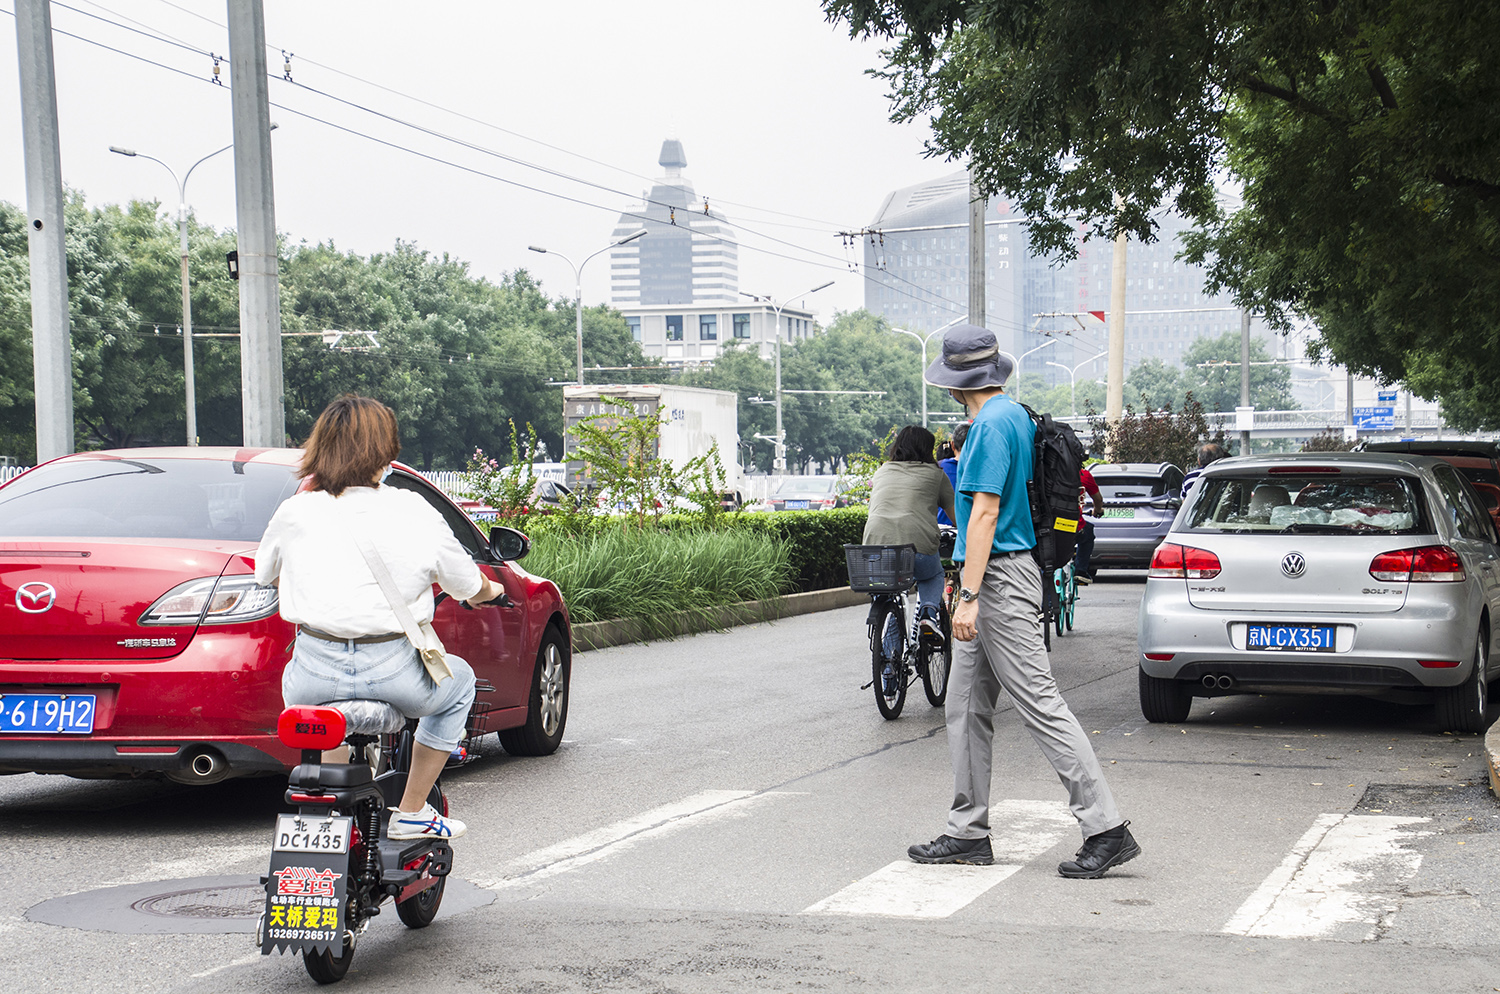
(1114, 377)
(977, 204)
(1244, 375)
(264, 416)
(778, 461)
(578, 313)
(187, 322)
(51, 340)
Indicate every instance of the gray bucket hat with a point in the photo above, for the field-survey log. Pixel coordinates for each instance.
(971, 360)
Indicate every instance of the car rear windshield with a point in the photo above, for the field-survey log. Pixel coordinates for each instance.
(804, 486)
(1347, 504)
(145, 498)
(1112, 487)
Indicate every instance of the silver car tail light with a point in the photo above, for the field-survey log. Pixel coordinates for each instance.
(224, 600)
(1183, 562)
(1427, 564)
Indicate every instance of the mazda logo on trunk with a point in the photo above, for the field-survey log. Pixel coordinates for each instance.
(1293, 564)
(35, 597)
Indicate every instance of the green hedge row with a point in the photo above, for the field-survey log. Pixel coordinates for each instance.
(814, 539)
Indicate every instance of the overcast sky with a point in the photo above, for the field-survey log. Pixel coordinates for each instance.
(769, 100)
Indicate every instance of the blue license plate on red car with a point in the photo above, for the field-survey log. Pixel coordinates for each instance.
(31, 714)
(1290, 638)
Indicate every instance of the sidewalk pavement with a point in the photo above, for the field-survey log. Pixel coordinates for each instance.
(602, 634)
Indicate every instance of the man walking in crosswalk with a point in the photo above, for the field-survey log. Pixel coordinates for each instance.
(998, 625)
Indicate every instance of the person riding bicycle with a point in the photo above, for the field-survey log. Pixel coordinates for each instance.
(947, 461)
(905, 495)
(1090, 489)
(350, 645)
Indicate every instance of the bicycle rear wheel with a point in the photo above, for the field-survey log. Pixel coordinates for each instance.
(888, 660)
(1070, 604)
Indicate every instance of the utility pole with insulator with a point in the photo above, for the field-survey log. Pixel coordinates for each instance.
(264, 417)
(51, 338)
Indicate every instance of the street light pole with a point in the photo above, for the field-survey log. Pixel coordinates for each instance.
(921, 377)
(187, 300)
(1048, 342)
(1072, 380)
(578, 286)
(779, 465)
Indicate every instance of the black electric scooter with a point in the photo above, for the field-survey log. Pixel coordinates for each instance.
(332, 866)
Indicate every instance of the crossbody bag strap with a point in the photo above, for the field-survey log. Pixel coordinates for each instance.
(404, 617)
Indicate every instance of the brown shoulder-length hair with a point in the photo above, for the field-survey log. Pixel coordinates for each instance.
(353, 439)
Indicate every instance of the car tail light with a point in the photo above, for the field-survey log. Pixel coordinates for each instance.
(1428, 564)
(308, 727)
(1160, 657)
(1438, 664)
(1184, 562)
(222, 600)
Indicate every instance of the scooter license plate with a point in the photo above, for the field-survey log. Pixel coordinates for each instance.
(300, 833)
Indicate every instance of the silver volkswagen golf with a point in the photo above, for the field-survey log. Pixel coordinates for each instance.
(1356, 572)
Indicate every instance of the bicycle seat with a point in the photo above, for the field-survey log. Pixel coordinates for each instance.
(368, 717)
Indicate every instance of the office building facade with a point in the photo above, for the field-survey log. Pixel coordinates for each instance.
(678, 286)
(917, 274)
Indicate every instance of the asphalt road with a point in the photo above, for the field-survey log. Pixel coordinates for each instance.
(730, 813)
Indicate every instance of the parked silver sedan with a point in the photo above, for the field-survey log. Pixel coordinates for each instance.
(1355, 572)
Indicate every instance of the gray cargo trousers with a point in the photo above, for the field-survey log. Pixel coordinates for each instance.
(1009, 653)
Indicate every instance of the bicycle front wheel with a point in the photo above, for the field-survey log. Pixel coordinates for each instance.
(1070, 603)
(888, 660)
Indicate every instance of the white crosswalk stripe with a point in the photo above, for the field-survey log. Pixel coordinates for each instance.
(1337, 882)
(611, 840)
(1024, 830)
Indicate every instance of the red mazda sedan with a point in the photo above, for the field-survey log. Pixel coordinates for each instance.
(134, 641)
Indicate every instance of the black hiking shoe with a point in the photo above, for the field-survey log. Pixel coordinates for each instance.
(947, 849)
(1100, 852)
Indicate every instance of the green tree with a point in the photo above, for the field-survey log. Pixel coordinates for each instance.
(1211, 373)
(1154, 384)
(1364, 137)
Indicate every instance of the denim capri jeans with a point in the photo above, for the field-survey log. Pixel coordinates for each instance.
(320, 672)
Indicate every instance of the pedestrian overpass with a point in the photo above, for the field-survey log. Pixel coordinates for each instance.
(1305, 424)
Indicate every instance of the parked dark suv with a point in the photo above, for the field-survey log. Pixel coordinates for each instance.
(1477, 462)
(1140, 501)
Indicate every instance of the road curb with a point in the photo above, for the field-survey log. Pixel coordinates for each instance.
(603, 634)
(1492, 750)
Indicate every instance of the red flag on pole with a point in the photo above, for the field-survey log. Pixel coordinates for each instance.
(1099, 315)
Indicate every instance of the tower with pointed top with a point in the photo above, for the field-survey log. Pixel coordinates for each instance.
(689, 257)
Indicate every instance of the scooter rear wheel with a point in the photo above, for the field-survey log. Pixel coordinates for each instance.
(419, 910)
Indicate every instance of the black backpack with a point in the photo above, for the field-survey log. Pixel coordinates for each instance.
(1056, 465)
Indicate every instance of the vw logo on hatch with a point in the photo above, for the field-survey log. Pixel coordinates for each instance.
(35, 597)
(1293, 564)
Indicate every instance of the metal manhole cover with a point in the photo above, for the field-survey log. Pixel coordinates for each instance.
(209, 902)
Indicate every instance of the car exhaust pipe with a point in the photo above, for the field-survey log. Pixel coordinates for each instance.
(1210, 681)
(1225, 681)
(204, 766)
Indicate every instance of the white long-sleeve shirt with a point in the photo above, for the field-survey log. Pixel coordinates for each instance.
(325, 582)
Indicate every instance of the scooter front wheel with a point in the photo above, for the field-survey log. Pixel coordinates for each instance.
(327, 968)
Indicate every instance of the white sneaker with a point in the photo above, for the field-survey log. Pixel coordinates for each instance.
(424, 824)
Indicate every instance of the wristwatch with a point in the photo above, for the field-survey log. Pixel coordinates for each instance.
(966, 595)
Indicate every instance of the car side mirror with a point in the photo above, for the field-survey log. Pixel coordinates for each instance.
(508, 545)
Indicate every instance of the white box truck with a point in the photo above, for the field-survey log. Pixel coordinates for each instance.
(694, 420)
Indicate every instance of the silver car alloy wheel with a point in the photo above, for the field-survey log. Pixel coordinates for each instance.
(553, 687)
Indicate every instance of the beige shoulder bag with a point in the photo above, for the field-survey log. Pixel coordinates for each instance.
(420, 634)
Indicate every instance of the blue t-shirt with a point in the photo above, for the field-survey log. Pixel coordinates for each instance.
(949, 466)
(997, 460)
